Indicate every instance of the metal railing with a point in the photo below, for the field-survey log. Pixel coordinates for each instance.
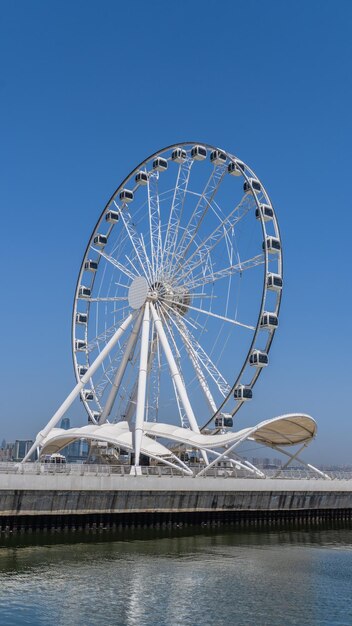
(77, 469)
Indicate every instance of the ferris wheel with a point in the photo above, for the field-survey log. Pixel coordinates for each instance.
(186, 260)
(175, 310)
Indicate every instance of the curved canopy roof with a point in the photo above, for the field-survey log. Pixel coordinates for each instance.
(117, 434)
(285, 430)
(189, 437)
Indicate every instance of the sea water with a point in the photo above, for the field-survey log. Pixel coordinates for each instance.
(185, 577)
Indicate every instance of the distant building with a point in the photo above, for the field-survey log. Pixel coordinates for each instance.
(6, 452)
(65, 423)
(76, 452)
(266, 463)
(21, 448)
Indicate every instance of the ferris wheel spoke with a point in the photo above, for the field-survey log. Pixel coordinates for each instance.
(108, 299)
(149, 265)
(99, 386)
(220, 233)
(120, 309)
(121, 285)
(226, 225)
(202, 356)
(215, 315)
(177, 356)
(176, 211)
(190, 321)
(139, 249)
(193, 356)
(198, 215)
(183, 417)
(203, 296)
(115, 263)
(110, 369)
(200, 376)
(200, 280)
(163, 314)
(154, 223)
(132, 265)
(175, 374)
(130, 404)
(101, 338)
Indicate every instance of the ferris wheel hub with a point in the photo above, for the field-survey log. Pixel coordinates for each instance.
(176, 298)
(138, 292)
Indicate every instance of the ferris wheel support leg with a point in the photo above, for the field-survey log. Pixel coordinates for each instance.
(251, 467)
(121, 370)
(224, 454)
(131, 407)
(175, 374)
(238, 462)
(295, 456)
(142, 385)
(75, 391)
(291, 458)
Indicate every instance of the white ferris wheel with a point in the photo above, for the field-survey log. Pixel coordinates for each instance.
(187, 255)
(175, 310)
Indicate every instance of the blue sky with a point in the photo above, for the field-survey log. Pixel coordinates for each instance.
(89, 89)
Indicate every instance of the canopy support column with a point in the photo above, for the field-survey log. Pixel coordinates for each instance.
(292, 457)
(238, 462)
(225, 453)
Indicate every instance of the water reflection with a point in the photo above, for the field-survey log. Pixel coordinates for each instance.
(288, 576)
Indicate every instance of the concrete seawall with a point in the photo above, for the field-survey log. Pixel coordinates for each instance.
(74, 501)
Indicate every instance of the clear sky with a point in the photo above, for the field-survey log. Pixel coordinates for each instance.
(88, 89)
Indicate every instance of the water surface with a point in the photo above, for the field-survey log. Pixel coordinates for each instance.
(161, 578)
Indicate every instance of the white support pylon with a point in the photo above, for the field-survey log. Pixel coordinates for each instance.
(76, 390)
(295, 456)
(223, 454)
(175, 374)
(142, 385)
(132, 340)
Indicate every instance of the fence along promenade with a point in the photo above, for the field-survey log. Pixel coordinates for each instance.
(81, 469)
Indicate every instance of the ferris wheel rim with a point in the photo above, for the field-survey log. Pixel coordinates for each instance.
(246, 177)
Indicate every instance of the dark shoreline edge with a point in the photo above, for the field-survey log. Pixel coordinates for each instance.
(169, 519)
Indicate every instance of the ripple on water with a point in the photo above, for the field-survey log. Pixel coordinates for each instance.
(238, 577)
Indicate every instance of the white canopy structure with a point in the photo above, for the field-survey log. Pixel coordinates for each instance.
(118, 435)
(286, 430)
